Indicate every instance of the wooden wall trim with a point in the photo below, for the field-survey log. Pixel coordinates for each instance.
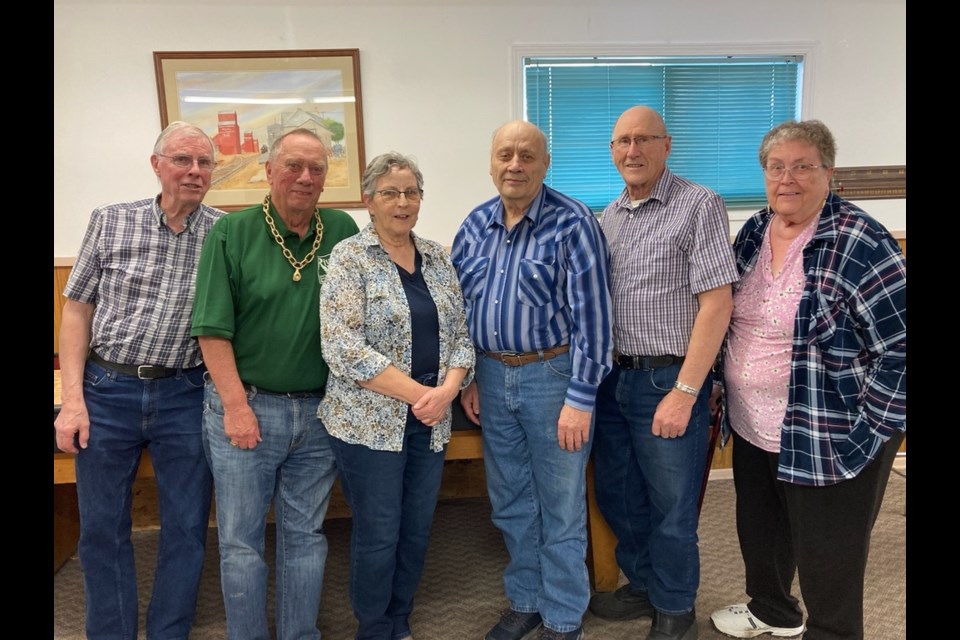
(62, 266)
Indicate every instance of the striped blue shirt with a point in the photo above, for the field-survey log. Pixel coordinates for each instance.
(848, 370)
(542, 284)
(141, 276)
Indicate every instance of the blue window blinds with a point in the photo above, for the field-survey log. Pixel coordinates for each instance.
(717, 110)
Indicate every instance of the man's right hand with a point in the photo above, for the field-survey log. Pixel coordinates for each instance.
(470, 401)
(72, 426)
(241, 427)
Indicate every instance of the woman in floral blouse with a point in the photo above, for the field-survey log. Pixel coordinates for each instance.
(394, 334)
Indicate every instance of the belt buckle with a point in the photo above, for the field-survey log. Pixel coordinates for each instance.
(511, 354)
(145, 371)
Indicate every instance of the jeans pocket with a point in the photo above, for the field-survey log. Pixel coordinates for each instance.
(94, 374)
(560, 366)
(194, 379)
(211, 400)
(663, 378)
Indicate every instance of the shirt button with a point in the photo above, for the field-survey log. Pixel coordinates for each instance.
(534, 277)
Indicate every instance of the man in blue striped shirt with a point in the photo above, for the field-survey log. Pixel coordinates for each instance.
(533, 266)
(671, 269)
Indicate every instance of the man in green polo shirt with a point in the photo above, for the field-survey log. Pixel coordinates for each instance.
(256, 317)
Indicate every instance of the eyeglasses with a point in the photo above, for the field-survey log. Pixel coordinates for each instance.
(182, 161)
(800, 171)
(390, 195)
(624, 143)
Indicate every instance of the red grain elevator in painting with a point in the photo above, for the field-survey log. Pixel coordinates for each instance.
(228, 133)
(250, 144)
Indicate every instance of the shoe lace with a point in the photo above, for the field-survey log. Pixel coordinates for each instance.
(509, 615)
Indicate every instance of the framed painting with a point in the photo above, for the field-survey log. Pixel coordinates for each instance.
(244, 100)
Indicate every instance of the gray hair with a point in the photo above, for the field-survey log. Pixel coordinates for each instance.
(384, 164)
(185, 129)
(275, 147)
(813, 132)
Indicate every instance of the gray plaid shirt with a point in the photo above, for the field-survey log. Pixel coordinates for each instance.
(141, 276)
(663, 253)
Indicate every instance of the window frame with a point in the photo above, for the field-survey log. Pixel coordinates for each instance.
(519, 52)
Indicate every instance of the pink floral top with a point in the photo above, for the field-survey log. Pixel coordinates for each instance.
(759, 344)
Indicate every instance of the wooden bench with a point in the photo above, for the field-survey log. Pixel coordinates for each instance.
(459, 481)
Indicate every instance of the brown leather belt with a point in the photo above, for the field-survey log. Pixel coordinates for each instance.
(518, 359)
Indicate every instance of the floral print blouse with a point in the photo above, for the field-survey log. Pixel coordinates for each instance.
(365, 326)
(760, 343)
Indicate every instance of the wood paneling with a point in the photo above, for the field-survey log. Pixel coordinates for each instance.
(60, 275)
(461, 447)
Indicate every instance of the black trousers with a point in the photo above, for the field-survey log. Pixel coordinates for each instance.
(821, 532)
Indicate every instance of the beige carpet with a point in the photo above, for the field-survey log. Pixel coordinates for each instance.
(461, 593)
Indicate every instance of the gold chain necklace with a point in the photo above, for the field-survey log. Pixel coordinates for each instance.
(296, 264)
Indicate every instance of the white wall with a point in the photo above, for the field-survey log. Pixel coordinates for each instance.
(437, 80)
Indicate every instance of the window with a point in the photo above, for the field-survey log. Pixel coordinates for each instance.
(717, 108)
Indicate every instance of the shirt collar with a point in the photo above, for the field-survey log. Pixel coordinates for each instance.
(160, 216)
(660, 192)
(532, 212)
(828, 225)
(369, 238)
(284, 230)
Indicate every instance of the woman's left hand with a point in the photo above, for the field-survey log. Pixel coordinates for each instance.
(433, 405)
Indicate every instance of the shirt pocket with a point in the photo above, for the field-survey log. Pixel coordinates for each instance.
(536, 283)
(473, 275)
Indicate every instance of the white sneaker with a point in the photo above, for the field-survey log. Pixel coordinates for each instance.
(737, 621)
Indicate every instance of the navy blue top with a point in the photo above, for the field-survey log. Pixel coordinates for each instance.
(425, 329)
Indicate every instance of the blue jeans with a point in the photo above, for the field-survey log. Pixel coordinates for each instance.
(294, 467)
(648, 487)
(537, 489)
(126, 415)
(392, 496)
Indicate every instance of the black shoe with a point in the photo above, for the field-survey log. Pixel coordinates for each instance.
(622, 604)
(514, 625)
(679, 627)
(547, 633)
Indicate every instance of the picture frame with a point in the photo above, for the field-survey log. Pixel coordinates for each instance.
(871, 183)
(244, 100)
